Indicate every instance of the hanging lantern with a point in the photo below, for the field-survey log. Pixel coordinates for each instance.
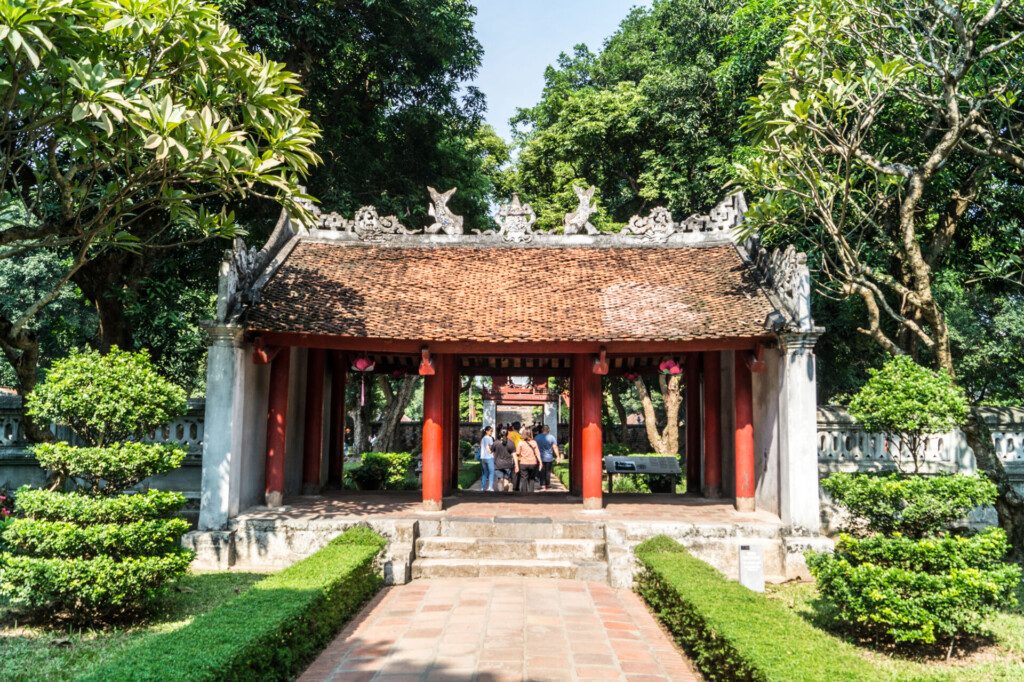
(363, 365)
(670, 366)
(630, 376)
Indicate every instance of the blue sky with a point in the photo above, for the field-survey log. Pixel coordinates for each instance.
(522, 37)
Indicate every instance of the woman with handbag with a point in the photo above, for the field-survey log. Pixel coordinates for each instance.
(528, 461)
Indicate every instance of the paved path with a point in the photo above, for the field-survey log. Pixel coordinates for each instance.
(497, 629)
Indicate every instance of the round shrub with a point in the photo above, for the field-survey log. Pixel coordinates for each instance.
(907, 403)
(97, 555)
(383, 471)
(912, 505)
(106, 398)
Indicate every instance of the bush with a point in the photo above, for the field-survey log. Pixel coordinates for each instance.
(875, 590)
(732, 633)
(915, 506)
(910, 581)
(79, 508)
(907, 403)
(269, 632)
(112, 468)
(106, 398)
(383, 471)
(466, 449)
(97, 555)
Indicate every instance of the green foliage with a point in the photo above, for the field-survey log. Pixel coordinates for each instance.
(385, 82)
(914, 506)
(908, 402)
(916, 592)
(62, 539)
(383, 471)
(469, 473)
(732, 633)
(467, 450)
(652, 119)
(83, 509)
(112, 468)
(106, 398)
(270, 631)
(87, 591)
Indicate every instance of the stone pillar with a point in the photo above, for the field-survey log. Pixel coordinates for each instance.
(693, 422)
(434, 435)
(798, 461)
(712, 424)
(587, 392)
(277, 427)
(551, 416)
(491, 414)
(224, 430)
(744, 448)
(313, 432)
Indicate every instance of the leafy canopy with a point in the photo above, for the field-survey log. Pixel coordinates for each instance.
(108, 398)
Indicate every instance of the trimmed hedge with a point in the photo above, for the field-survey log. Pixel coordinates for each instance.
(732, 633)
(48, 505)
(119, 541)
(271, 630)
(112, 468)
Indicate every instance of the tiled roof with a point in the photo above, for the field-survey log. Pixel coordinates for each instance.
(501, 294)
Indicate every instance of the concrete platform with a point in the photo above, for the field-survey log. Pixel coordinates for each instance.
(480, 533)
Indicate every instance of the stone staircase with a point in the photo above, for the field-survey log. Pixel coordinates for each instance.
(520, 547)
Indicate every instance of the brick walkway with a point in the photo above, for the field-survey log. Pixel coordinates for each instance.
(497, 629)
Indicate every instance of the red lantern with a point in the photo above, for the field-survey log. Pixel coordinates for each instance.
(363, 365)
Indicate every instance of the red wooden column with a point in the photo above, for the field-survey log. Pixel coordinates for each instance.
(744, 447)
(336, 442)
(712, 424)
(587, 392)
(452, 424)
(313, 431)
(575, 437)
(434, 435)
(277, 412)
(693, 422)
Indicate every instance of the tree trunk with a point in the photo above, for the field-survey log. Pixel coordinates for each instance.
(469, 400)
(103, 282)
(394, 408)
(1009, 504)
(620, 410)
(22, 353)
(650, 417)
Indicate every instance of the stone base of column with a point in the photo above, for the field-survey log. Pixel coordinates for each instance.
(311, 489)
(712, 493)
(275, 499)
(745, 504)
(433, 505)
(593, 503)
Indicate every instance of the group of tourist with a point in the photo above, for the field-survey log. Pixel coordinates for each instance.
(518, 459)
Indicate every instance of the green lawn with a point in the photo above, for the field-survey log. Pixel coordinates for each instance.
(36, 654)
(1002, 661)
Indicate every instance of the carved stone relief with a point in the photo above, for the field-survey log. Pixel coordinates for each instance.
(657, 226)
(444, 220)
(515, 221)
(578, 222)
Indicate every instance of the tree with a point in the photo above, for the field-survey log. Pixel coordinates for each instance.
(878, 128)
(908, 403)
(652, 119)
(384, 80)
(128, 125)
(663, 439)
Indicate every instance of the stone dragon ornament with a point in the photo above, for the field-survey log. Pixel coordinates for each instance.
(578, 222)
(444, 220)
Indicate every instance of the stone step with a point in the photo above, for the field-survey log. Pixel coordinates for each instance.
(594, 571)
(494, 548)
(521, 528)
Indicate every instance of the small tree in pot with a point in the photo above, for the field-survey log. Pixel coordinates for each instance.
(84, 551)
(907, 403)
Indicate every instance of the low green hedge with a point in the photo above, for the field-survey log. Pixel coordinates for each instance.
(733, 633)
(85, 509)
(63, 539)
(271, 630)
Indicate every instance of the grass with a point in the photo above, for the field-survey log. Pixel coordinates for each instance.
(38, 654)
(621, 483)
(469, 473)
(271, 631)
(1001, 660)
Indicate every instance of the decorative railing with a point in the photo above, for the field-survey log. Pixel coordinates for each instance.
(186, 430)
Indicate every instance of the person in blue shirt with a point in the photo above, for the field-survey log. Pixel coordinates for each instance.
(549, 454)
(487, 461)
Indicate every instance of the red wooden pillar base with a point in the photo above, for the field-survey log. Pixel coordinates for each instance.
(435, 435)
(712, 424)
(744, 448)
(336, 442)
(693, 423)
(587, 392)
(277, 412)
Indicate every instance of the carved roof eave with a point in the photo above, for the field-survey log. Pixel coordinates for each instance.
(492, 240)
